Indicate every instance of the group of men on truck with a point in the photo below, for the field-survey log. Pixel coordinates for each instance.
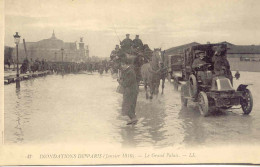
(219, 60)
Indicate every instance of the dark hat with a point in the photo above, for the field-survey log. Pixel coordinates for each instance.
(137, 35)
(127, 34)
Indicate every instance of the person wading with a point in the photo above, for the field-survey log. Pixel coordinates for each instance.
(130, 90)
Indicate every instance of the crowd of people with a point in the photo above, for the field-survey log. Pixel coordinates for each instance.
(132, 47)
(64, 67)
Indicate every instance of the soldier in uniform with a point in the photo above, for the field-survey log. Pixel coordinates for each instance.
(114, 53)
(137, 43)
(126, 44)
(130, 90)
(221, 65)
(199, 60)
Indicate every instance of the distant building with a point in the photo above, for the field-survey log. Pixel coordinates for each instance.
(51, 50)
(241, 57)
(234, 52)
(243, 52)
(244, 57)
(179, 49)
(8, 58)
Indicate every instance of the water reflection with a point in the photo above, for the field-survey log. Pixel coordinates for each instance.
(18, 128)
(192, 124)
(85, 108)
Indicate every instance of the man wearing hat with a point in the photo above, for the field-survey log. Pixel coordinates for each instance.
(114, 53)
(137, 43)
(130, 89)
(199, 59)
(126, 44)
(221, 64)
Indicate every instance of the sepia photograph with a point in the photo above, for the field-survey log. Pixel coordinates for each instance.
(96, 82)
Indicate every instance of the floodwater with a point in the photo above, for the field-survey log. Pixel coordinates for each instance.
(84, 108)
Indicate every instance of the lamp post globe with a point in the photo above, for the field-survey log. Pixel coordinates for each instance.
(16, 41)
(16, 38)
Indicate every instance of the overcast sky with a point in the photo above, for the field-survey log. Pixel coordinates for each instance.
(160, 23)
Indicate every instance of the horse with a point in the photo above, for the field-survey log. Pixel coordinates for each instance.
(151, 73)
(164, 69)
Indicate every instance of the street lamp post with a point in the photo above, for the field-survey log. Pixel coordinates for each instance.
(16, 41)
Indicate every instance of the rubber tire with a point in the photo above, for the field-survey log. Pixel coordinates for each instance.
(245, 108)
(203, 100)
(193, 86)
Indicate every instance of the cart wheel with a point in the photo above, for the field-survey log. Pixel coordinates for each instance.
(203, 104)
(193, 86)
(247, 101)
(184, 101)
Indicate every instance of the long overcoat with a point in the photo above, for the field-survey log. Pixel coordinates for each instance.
(130, 91)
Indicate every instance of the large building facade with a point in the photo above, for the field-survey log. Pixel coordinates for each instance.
(53, 49)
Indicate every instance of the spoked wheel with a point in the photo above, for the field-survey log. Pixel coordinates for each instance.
(184, 101)
(203, 104)
(247, 101)
(193, 86)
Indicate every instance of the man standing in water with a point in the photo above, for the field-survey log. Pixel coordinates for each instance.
(130, 90)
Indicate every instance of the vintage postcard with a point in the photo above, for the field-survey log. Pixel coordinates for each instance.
(96, 82)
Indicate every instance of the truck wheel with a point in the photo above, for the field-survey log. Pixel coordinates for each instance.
(247, 101)
(193, 86)
(203, 104)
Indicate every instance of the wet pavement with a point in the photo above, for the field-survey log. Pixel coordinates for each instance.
(85, 108)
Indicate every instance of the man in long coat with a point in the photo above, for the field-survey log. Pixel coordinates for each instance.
(130, 90)
(126, 44)
(137, 43)
(222, 66)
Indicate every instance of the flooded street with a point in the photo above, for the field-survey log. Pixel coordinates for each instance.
(85, 108)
